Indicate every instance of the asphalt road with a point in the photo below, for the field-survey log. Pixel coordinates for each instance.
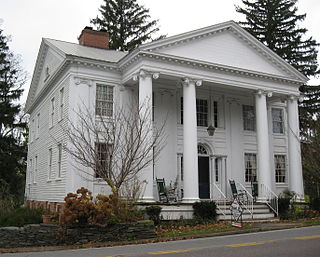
(299, 242)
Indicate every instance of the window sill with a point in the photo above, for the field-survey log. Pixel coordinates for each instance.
(58, 179)
(49, 180)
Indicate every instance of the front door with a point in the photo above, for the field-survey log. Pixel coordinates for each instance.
(204, 178)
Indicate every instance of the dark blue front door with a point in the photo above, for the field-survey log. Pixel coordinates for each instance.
(204, 185)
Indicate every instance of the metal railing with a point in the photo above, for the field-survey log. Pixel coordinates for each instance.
(220, 199)
(248, 203)
(271, 199)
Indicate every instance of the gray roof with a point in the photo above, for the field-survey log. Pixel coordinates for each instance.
(86, 51)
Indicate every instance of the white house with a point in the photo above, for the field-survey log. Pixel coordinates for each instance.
(219, 76)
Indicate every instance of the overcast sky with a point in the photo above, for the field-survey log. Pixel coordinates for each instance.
(27, 21)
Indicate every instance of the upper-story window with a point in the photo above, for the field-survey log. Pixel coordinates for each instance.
(104, 100)
(202, 112)
(38, 125)
(249, 120)
(52, 109)
(202, 106)
(61, 103)
(277, 120)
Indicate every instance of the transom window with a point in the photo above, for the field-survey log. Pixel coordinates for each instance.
(202, 150)
(280, 168)
(249, 121)
(277, 120)
(250, 160)
(104, 100)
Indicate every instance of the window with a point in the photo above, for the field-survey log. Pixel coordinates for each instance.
(30, 171)
(202, 112)
(61, 103)
(153, 104)
(50, 164)
(250, 161)
(249, 121)
(103, 152)
(38, 125)
(280, 168)
(35, 173)
(59, 160)
(31, 130)
(215, 114)
(52, 112)
(104, 100)
(181, 167)
(217, 165)
(277, 120)
(202, 150)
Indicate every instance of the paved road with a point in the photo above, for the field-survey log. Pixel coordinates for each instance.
(298, 242)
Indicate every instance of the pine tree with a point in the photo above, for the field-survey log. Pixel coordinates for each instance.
(127, 22)
(12, 151)
(275, 23)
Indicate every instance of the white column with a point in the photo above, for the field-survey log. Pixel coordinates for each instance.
(295, 167)
(263, 154)
(145, 107)
(190, 152)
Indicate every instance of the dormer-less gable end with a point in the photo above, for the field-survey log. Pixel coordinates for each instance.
(225, 44)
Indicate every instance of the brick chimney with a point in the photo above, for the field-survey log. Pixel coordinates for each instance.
(94, 38)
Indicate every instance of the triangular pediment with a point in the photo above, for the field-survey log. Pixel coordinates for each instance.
(48, 61)
(225, 44)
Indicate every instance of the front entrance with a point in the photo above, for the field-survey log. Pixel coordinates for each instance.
(204, 177)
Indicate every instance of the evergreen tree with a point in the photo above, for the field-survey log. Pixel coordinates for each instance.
(12, 150)
(127, 22)
(275, 23)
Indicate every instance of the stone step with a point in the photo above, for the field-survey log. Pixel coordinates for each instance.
(247, 217)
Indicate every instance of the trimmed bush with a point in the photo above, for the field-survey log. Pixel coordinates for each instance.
(206, 210)
(153, 212)
(315, 203)
(22, 216)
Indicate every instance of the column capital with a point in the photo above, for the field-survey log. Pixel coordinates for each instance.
(145, 74)
(186, 81)
(292, 98)
(261, 92)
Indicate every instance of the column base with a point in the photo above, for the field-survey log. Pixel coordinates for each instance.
(148, 199)
(190, 200)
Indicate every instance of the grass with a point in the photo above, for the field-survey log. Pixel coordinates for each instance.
(315, 221)
(200, 229)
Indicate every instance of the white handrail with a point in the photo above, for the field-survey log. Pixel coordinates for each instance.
(222, 198)
(250, 200)
(271, 198)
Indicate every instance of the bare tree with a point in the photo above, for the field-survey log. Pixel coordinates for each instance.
(115, 149)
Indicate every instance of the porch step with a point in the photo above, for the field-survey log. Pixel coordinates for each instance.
(260, 212)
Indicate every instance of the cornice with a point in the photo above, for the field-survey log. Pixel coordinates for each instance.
(205, 66)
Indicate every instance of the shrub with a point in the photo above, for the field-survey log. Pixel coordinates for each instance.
(315, 203)
(153, 212)
(79, 208)
(205, 210)
(22, 216)
(284, 207)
